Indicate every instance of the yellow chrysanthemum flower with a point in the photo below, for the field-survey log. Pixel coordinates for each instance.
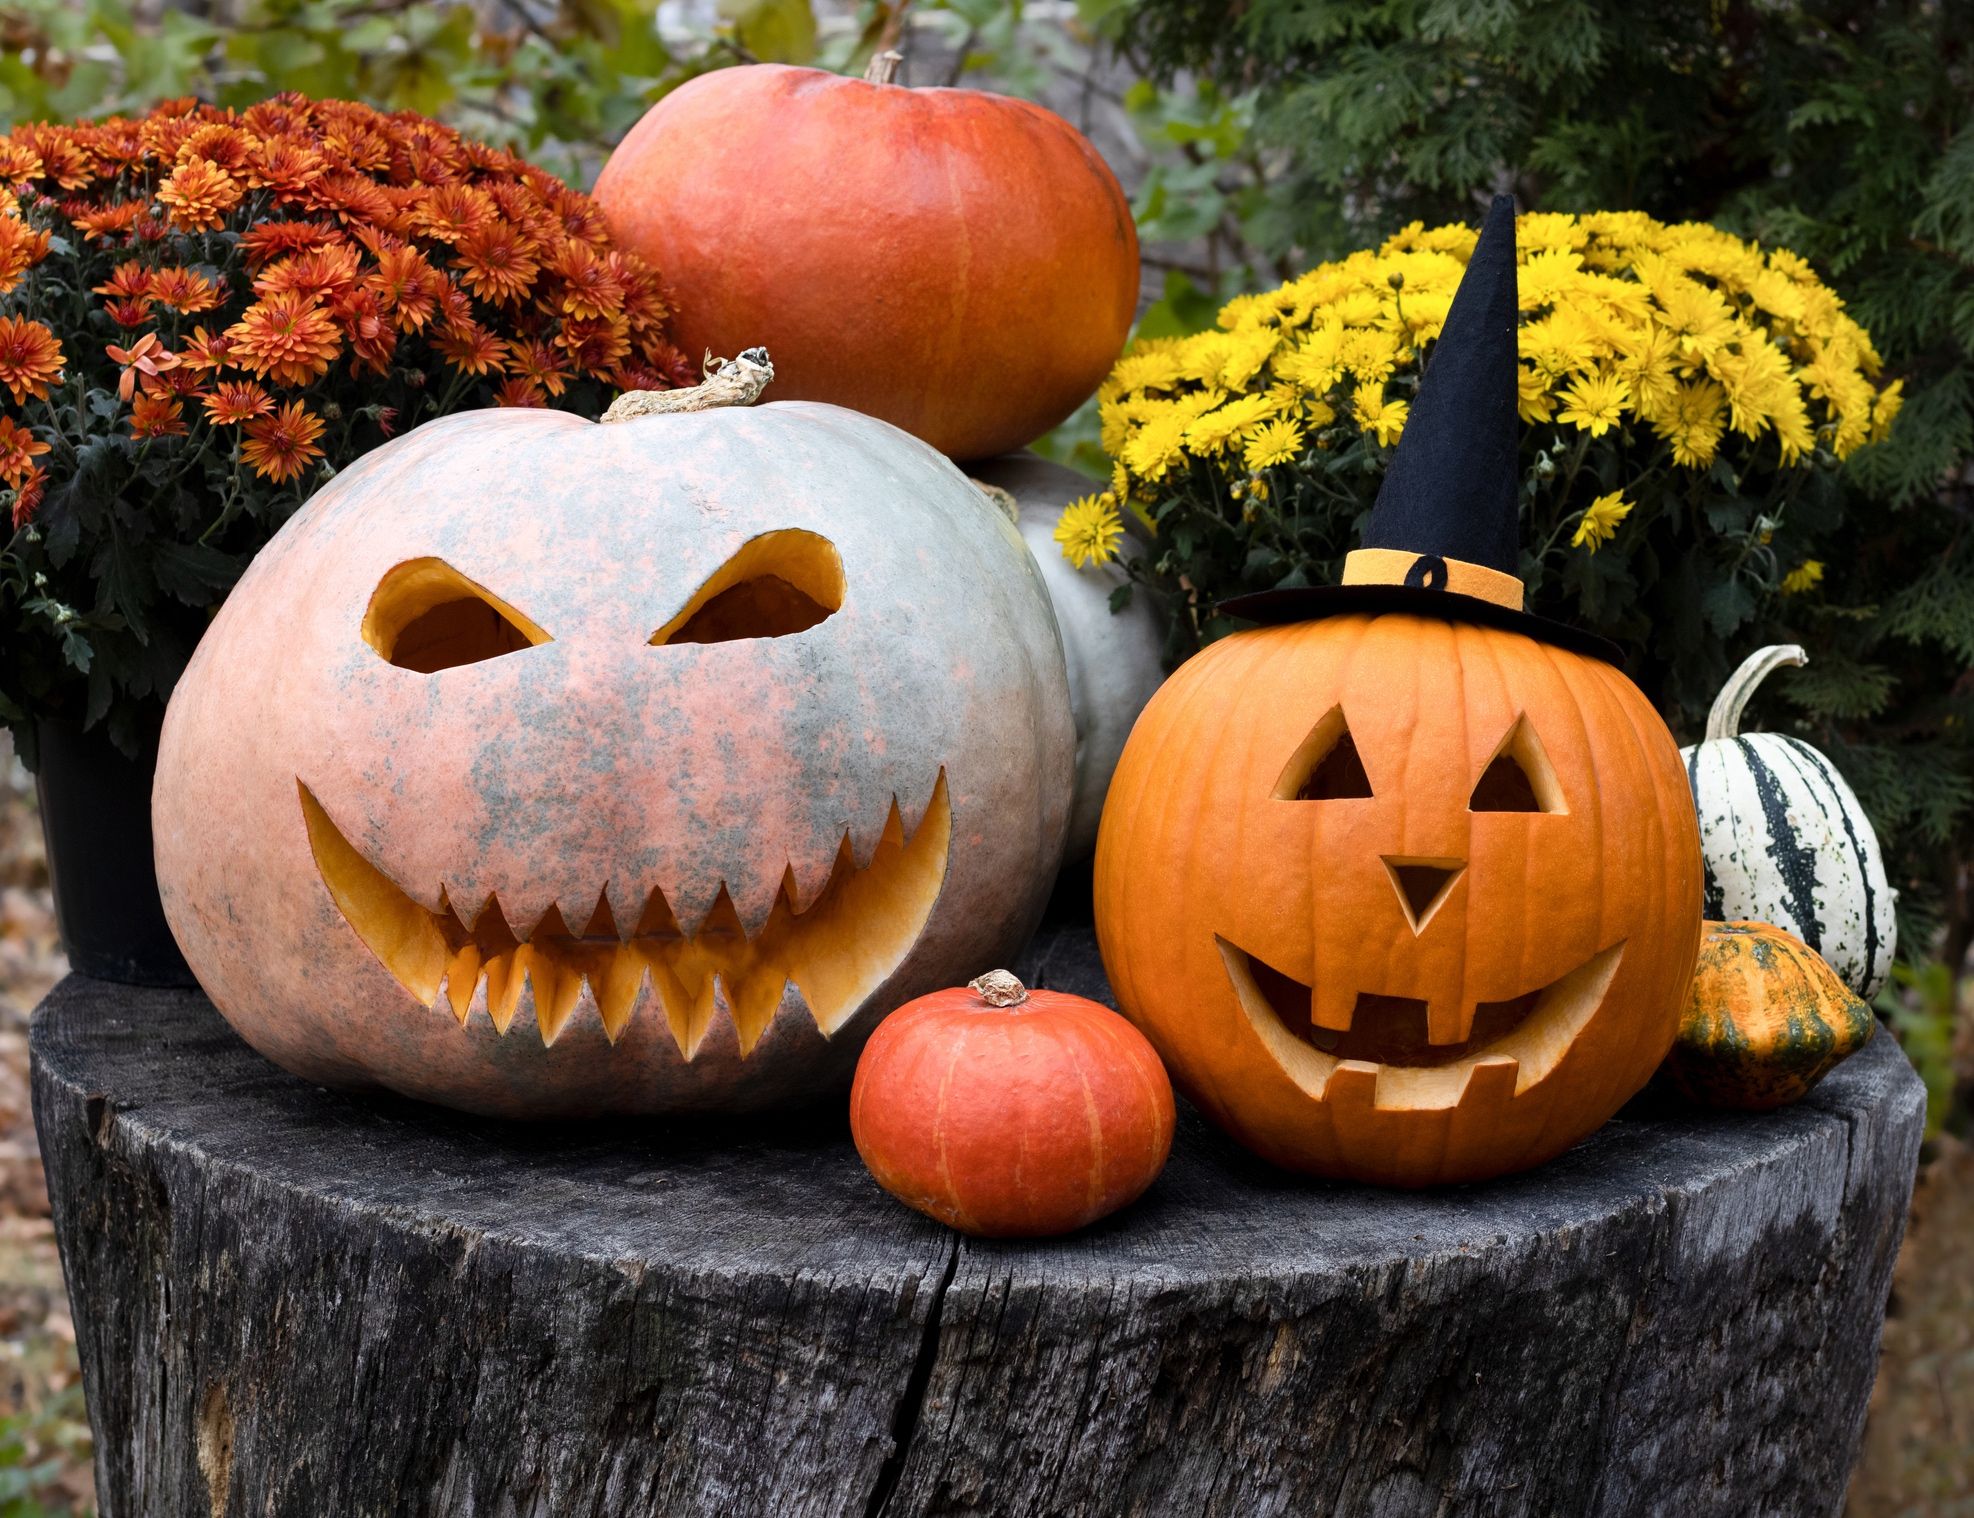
(1375, 414)
(1700, 336)
(1274, 442)
(1804, 576)
(1594, 402)
(1089, 530)
(1600, 519)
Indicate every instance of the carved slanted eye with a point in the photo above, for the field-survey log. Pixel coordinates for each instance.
(426, 616)
(1519, 778)
(1326, 765)
(779, 583)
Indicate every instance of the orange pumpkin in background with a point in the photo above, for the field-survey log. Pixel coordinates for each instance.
(963, 265)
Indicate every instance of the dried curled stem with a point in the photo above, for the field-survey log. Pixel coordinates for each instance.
(728, 382)
(998, 988)
(883, 66)
(1003, 499)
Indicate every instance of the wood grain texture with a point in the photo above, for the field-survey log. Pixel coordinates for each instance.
(293, 1302)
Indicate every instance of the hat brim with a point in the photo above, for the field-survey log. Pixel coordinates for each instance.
(1308, 603)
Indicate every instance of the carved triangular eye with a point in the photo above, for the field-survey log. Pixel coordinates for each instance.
(777, 584)
(1326, 765)
(426, 616)
(1519, 778)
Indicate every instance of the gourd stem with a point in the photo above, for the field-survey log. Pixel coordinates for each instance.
(1724, 721)
(1002, 499)
(883, 66)
(736, 381)
(998, 988)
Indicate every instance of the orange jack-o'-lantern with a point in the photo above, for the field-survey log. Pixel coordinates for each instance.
(1407, 889)
(542, 767)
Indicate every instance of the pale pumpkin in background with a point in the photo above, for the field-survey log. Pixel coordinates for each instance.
(960, 263)
(539, 767)
(1116, 659)
(1401, 899)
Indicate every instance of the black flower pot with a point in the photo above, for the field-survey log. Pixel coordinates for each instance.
(96, 813)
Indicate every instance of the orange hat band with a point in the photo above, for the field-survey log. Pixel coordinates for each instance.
(1428, 571)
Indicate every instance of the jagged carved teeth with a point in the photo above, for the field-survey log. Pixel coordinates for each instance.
(1385, 1055)
(839, 948)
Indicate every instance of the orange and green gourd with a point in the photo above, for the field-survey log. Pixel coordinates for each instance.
(1765, 1021)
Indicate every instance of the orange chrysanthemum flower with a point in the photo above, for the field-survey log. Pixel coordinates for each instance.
(272, 239)
(156, 416)
(595, 343)
(515, 391)
(129, 280)
(147, 356)
(324, 272)
(281, 446)
(200, 193)
(219, 143)
(498, 262)
(21, 248)
(452, 213)
(367, 326)
(19, 448)
(540, 364)
(30, 358)
(471, 348)
(27, 496)
(184, 290)
(352, 198)
(287, 336)
(205, 350)
(18, 160)
(408, 286)
(107, 221)
(237, 401)
(588, 286)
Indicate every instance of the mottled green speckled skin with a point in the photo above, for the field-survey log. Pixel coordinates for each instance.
(596, 759)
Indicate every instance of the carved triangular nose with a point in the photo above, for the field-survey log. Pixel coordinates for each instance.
(1422, 885)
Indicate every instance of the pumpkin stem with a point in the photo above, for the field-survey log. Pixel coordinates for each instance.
(998, 989)
(1003, 499)
(1724, 721)
(728, 382)
(883, 66)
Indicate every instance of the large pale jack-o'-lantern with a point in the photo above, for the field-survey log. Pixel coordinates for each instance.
(542, 767)
(1406, 888)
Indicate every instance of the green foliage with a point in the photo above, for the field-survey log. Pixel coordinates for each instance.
(1839, 128)
(558, 80)
(38, 1448)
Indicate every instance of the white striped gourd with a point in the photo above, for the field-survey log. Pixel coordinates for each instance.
(1786, 840)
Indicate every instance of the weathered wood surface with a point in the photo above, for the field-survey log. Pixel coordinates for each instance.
(295, 1303)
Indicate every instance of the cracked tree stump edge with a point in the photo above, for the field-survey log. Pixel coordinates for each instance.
(289, 1301)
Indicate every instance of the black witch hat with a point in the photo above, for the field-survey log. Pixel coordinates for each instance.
(1443, 539)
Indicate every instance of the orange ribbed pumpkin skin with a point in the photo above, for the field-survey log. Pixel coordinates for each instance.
(1202, 870)
(1011, 1122)
(961, 264)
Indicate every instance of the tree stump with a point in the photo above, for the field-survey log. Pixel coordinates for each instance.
(293, 1302)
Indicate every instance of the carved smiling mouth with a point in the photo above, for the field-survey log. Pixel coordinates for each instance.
(1385, 1057)
(837, 949)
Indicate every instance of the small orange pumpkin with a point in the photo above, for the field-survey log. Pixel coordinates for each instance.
(1766, 1020)
(1011, 1113)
